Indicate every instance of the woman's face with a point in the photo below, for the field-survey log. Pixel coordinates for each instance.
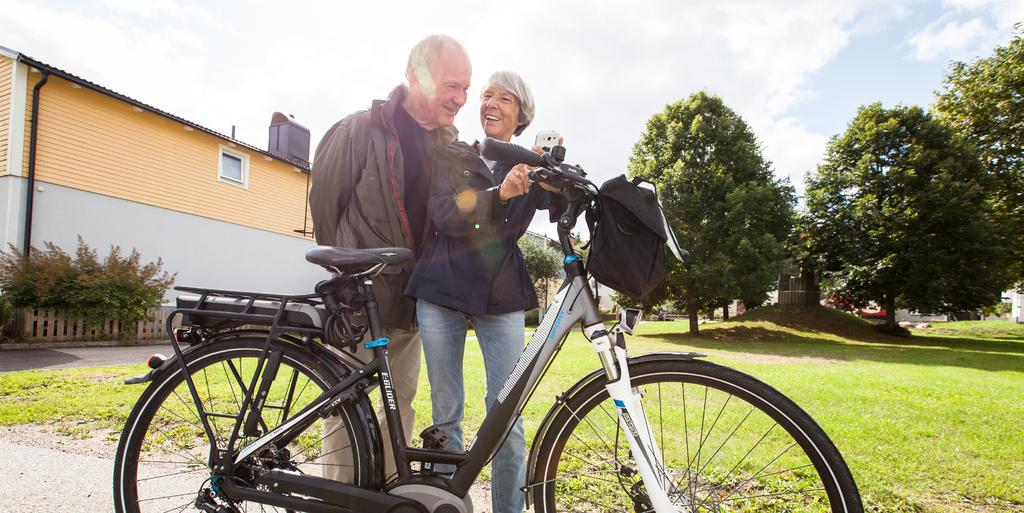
(499, 112)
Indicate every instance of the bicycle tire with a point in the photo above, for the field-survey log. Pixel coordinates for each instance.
(717, 468)
(160, 423)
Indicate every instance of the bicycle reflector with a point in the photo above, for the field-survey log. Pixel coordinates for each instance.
(155, 361)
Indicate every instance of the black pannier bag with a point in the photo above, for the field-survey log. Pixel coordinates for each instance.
(628, 234)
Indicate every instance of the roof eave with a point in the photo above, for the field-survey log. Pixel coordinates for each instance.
(42, 66)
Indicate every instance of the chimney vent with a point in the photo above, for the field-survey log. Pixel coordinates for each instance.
(289, 139)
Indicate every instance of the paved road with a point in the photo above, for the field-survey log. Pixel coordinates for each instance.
(40, 480)
(44, 472)
(24, 359)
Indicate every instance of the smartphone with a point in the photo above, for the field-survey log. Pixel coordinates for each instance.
(547, 139)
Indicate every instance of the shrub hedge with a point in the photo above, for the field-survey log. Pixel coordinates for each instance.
(118, 287)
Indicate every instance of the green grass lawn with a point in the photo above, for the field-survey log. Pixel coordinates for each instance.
(930, 423)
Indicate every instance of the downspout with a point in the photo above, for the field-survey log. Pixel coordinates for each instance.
(29, 195)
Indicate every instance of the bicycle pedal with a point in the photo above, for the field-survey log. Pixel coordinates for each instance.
(434, 439)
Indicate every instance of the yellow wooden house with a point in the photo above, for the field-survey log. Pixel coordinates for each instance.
(77, 159)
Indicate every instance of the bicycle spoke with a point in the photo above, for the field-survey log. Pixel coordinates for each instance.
(738, 426)
(661, 418)
(748, 454)
(227, 380)
(611, 417)
(167, 497)
(209, 398)
(161, 462)
(187, 454)
(589, 475)
(193, 471)
(704, 438)
(188, 406)
(332, 452)
(288, 397)
(310, 446)
(178, 508)
(589, 448)
(779, 494)
(686, 439)
(325, 464)
(183, 419)
(592, 428)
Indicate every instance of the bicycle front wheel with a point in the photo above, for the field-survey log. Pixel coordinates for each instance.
(730, 443)
(162, 461)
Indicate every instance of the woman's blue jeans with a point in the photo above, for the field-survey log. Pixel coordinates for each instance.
(501, 338)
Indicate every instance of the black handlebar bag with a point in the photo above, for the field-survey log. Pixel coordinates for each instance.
(628, 233)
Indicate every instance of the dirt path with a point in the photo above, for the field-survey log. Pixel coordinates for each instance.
(44, 471)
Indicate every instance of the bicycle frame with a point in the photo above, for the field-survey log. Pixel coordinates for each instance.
(574, 303)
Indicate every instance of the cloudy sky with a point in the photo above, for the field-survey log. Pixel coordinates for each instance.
(795, 70)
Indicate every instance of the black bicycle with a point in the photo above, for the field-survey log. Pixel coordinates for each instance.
(234, 420)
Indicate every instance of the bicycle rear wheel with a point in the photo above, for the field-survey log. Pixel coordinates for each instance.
(730, 443)
(162, 458)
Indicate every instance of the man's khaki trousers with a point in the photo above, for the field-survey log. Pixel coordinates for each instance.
(404, 352)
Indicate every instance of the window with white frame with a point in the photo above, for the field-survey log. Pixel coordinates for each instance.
(233, 166)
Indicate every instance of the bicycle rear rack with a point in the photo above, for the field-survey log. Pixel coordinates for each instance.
(280, 312)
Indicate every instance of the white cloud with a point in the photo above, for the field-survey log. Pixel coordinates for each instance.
(787, 141)
(599, 70)
(967, 29)
(941, 39)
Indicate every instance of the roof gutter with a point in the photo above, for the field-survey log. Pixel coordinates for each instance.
(30, 192)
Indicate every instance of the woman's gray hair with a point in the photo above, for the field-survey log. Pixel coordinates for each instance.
(513, 83)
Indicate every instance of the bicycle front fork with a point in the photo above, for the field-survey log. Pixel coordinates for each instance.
(632, 419)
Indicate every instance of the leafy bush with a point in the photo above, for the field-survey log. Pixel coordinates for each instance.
(533, 316)
(997, 309)
(119, 287)
(6, 316)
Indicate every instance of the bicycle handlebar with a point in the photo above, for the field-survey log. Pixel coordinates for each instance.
(549, 167)
(493, 149)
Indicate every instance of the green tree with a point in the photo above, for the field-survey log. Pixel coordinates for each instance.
(542, 262)
(721, 198)
(984, 101)
(898, 214)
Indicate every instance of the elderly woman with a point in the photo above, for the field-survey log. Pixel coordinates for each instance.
(473, 271)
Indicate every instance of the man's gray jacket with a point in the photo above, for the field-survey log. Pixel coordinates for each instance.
(357, 196)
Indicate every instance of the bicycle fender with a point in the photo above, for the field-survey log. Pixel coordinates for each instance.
(317, 349)
(171, 361)
(564, 397)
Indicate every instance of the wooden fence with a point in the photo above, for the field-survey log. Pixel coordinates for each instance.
(34, 325)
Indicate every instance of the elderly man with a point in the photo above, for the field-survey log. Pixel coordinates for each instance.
(370, 189)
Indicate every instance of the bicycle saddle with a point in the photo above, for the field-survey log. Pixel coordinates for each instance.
(331, 256)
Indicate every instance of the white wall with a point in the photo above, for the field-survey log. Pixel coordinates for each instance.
(1017, 309)
(12, 207)
(204, 252)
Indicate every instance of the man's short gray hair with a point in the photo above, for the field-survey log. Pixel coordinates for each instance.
(513, 83)
(427, 51)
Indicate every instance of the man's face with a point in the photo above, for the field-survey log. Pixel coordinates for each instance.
(444, 87)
